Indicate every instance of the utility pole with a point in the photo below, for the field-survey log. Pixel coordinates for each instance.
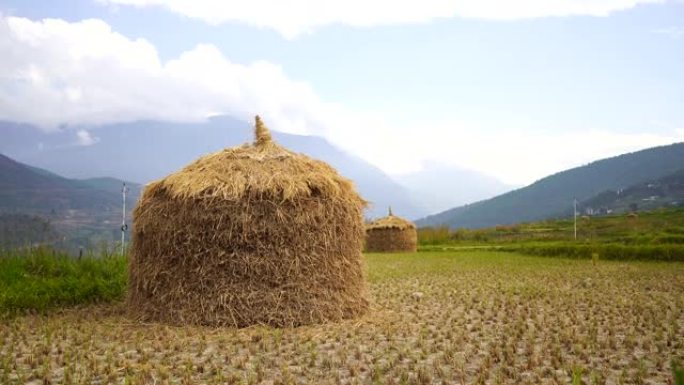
(574, 201)
(124, 226)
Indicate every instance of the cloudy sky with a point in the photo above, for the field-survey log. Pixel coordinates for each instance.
(516, 90)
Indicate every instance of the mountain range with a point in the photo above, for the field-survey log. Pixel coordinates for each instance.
(553, 196)
(147, 150)
(667, 191)
(440, 187)
(31, 190)
(81, 211)
(96, 159)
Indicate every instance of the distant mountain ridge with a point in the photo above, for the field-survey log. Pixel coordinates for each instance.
(553, 195)
(25, 189)
(441, 187)
(667, 191)
(149, 150)
(82, 211)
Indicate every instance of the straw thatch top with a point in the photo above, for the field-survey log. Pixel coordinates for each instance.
(262, 169)
(261, 133)
(390, 222)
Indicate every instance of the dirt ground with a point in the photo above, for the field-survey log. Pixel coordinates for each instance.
(438, 318)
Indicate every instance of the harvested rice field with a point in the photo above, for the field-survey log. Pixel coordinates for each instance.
(437, 318)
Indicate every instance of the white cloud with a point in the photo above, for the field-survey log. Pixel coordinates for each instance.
(55, 72)
(84, 138)
(294, 17)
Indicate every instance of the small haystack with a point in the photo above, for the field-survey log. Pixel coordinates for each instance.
(249, 235)
(391, 234)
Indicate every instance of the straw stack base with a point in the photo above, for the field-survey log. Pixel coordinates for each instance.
(240, 263)
(391, 240)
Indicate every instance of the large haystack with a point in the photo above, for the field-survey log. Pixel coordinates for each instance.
(248, 235)
(391, 234)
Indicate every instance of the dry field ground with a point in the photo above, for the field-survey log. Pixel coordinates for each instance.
(438, 318)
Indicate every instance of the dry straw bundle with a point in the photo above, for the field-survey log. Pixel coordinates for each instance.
(391, 234)
(249, 235)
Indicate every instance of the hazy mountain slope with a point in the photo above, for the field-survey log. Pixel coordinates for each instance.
(375, 186)
(667, 191)
(140, 151)
(552, 195)
(144, 151)
(441, 187)
(114, 186)
(83, 212)
(26, 189)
